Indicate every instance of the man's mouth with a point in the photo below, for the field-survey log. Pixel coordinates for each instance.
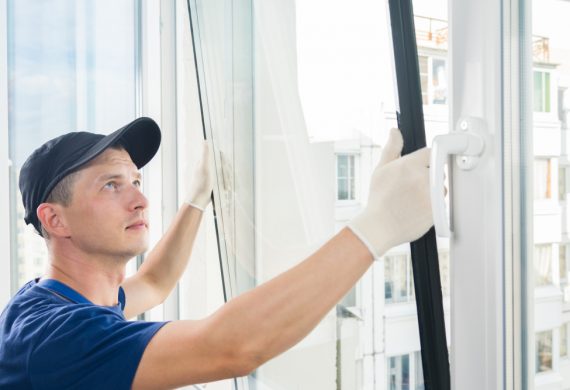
(140, 224)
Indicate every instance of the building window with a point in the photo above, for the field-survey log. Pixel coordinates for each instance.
(399, 372)
(543, 264)
(433, 79)
(562, 184)
(542, 179)
(405, 372)
(418, 371)
(562, 264)
(443, 257)
(564, 341)
(398, 281)
(544, 351)
(345, 177)
(542, 91)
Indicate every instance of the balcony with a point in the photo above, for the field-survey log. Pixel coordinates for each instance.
(431, 32)
(540, 49)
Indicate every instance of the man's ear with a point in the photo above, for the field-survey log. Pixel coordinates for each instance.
(51, 217)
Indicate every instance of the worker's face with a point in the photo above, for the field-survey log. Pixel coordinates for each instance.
(107, 214)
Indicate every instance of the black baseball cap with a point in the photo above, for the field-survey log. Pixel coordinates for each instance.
(66, 154)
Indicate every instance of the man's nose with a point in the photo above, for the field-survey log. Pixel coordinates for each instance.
(138, 200)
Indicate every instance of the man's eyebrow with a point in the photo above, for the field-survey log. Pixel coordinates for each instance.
(111, 176)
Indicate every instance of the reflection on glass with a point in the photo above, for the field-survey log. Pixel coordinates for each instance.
(564, 340)
(324, 104)
(550, 83)
(397, 278)
(439, 81)
(71, 66)
(399, 373)
(419, 372)
(541, 91)
(544, 351)
(543, 264)
(542, 179)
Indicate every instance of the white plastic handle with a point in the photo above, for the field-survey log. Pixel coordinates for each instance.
(443, 146)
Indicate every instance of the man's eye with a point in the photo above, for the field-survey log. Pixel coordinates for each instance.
(137, 183)
(111, 185)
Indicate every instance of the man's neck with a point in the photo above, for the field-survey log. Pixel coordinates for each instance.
(96, 279)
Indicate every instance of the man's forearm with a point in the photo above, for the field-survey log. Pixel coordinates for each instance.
(165, 264)
(277, 314)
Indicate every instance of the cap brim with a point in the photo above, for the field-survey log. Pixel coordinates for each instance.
(140, 138)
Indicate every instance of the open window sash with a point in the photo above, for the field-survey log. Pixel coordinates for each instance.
(425, 263)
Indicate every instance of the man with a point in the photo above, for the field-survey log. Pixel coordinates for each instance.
(82, 193)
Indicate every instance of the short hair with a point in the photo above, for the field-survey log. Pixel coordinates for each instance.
(62, 193)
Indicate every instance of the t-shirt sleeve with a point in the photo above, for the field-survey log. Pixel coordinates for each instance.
(89, 348)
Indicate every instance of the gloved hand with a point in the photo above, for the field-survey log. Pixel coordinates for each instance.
(200, 191)
(398, 208)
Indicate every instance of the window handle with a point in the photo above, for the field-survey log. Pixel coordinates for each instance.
(468, 146)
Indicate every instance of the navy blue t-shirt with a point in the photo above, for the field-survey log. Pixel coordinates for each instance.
(51, 337)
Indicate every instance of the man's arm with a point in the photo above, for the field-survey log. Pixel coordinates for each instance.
(164, 265)
(257, 325)
(269, 319)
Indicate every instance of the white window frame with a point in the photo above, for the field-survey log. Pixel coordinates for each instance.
(485, 214)
(553, 91)
(356, 199)
(5, 269)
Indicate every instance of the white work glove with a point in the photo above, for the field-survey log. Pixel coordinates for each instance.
(200, 191)
(398, 208)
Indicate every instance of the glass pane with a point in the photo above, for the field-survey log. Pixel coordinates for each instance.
(562, 184)
(550, 79)
(543, 264)
(396, 274)
(342, 164)
(564, 340)
(319, 91)
(342, 189)
(547, 92)
(63, 76)
(544, 351)
(439, 81)
(538, 92)
(542, 179)
(399, 373)
(562, 264)
(419, 372)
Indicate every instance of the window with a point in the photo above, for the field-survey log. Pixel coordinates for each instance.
(345, 177)
(544, 351)
(399, 373)
(398, 282)
(433, 78)
(63, 76)
(444, 273)
(541, 91)
(405, 372)
(301, 144)
(543, 264)
(418, 371)
(562, 184)
(542, 179)
(564, 340)
(563, 264)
